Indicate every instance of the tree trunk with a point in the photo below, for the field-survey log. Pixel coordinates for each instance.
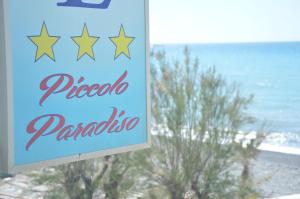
(196, 191)
(176, 192)
(111, 190)
(199, 195)
(245, 174)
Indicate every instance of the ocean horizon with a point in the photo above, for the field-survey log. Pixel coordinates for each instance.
(268, 70)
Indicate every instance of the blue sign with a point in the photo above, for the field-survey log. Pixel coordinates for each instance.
(78, 3)
(79, 79)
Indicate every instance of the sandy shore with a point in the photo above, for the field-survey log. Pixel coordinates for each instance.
(277, 174)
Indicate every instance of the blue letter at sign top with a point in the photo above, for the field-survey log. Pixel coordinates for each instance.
(79, 3)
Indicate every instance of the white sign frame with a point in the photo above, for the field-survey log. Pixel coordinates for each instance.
(7, 164)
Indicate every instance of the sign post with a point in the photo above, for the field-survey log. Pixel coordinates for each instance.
(74, 81)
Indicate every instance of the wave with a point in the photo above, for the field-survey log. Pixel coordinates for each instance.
(282, 142)
(283, 139)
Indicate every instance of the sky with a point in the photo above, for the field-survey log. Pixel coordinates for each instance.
(223, 21)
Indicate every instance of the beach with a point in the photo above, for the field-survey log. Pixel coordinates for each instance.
(277, 174)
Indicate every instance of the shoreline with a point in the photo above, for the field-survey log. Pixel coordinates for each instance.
(279, 149)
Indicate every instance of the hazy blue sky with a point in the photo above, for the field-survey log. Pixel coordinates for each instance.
(190, 21)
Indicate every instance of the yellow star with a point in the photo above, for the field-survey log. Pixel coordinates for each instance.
(85, 43)
(44, 43)
(122, 43)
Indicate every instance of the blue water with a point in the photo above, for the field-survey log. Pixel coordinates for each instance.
(270, 71)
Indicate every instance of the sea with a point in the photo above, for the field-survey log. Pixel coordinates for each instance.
(269, 71)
